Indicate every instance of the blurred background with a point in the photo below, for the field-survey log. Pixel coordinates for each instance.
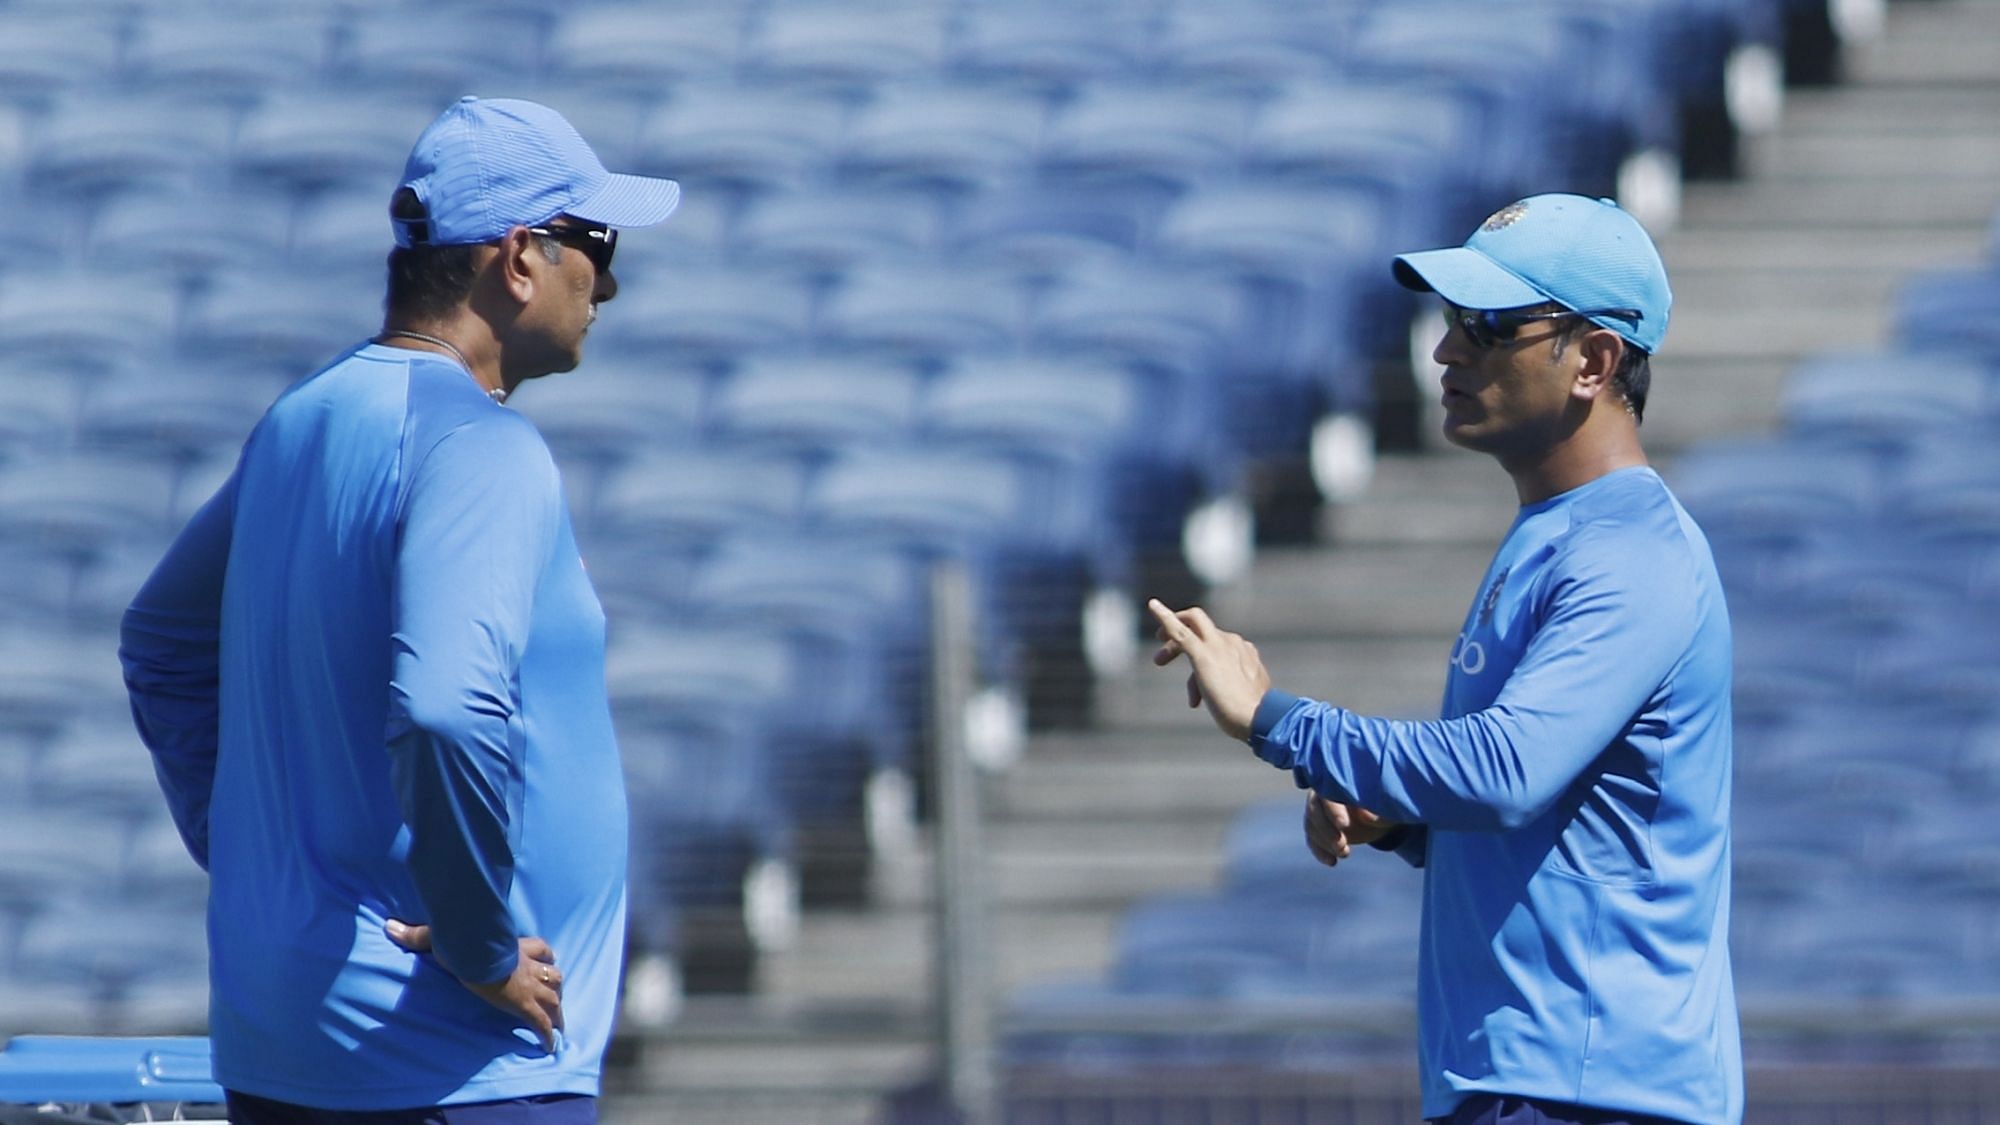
(1089, 300)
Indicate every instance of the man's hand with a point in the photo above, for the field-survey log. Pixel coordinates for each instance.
(1332, 829)
(533, 991)
(1227, 675)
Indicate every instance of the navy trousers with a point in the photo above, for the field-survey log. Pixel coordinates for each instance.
(547, 1109)
(1500, 1109)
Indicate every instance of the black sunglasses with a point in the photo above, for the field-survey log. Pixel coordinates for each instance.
(597, 243)
(1487, 327)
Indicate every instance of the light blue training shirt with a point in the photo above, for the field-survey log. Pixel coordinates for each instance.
(1572, 806)
(371, 673)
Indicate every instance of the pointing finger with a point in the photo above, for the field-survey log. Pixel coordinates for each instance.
(1173, 630)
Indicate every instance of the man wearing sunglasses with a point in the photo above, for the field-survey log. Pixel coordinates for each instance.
(1571, 807)
(371, 674)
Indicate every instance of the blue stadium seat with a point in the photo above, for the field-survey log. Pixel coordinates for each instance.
(311, 141)
(42, 409)
(821, 44)
(614, 408)
(1154, 140)
(183, 419)
(49, 51)
(691, 493)
(1763, 488)
(957, 137)
(642, 48)
(1139, 432)
(82, 503)
(1048, 235)
(1050, 46)
(740, 137)
(209, 51)
(923, 311)
(1404, 140)
(294, 324)
(98, 764)
(344, 230)
(433, 55)
(816, 405)
(57, 317)
(1313, 259)
(43, 1069)
(51, 855)
(1889, 397)
(1948, 487)
(148, 972)
(1951, 310)
(727, 313)
(181, 234)
(1253, 46)
(97, 143)
(831, 232)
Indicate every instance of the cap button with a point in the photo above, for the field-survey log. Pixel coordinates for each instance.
(1607, 199)
(468, 98)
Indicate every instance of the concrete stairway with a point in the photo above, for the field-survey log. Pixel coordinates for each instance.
(1894, 171)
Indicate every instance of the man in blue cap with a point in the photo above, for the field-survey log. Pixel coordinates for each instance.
(371, 674)
(1570, 808)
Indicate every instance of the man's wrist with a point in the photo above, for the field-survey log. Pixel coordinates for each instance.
(1271, 710)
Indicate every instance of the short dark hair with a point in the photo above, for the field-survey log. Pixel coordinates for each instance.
(1633, 379)
(427, 282)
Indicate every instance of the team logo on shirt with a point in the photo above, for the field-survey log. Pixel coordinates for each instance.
(1505, 217)
(1492, 599)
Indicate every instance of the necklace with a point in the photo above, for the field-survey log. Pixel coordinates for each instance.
(497, 394)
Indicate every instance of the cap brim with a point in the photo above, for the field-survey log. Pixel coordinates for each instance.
(629, 201)
(1466, 278)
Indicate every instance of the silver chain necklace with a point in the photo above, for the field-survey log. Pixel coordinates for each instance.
(497, 394)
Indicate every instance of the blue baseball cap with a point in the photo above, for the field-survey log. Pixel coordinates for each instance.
(1579, 252)
(487, 165)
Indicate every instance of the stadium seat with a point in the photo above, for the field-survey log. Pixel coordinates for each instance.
(829, 233)
(1251, 45)
(211, 52)
(81, 503)
(50, 51)
(731, 312)
(1951, 310)
(311, 141)
(740, 137)
(691, 493)
(292, 325)
(643, 49)
(1153, 140)
(177, 235)
(1887, 397)
(431, 56)
(1052, 47)
(614, 408)
(55, 317)
(820, 44)
(955, 137)
(171, 418)
(103, 142)
(815, 406)
(922, 311)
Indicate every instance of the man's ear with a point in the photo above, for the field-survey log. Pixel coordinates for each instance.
(515, 264)
(1598, 353)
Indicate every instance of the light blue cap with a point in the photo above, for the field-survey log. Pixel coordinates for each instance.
(487, 165)
(1579, 252)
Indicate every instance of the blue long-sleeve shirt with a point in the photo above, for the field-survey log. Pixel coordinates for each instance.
(371, 673)
(1571, 813)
